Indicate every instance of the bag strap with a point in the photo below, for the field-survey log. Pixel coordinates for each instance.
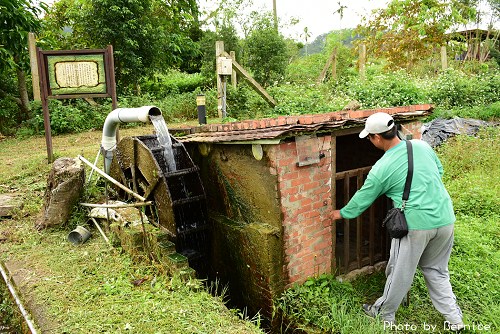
(409, 176)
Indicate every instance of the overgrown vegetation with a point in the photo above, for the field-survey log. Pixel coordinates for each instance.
(164, 57)
(473, 181)
(90, 289)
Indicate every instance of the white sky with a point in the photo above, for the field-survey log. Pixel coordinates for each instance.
(317, 15)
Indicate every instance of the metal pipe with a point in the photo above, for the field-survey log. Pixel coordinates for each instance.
(13, 292)
(112, 180)
(114, 118)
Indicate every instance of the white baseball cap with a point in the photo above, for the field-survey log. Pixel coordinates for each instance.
(377, 123)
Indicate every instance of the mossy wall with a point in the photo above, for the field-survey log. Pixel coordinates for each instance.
(244, 209)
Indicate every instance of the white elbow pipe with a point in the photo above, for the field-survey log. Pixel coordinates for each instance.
(122, 115)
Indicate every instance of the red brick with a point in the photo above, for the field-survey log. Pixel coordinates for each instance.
(310, 185)
(290, 175)
(281, 120)
(296, 197)
(287, 161)
(302, 209)
(305, 120)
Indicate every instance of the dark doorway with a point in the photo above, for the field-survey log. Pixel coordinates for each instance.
(361, 241)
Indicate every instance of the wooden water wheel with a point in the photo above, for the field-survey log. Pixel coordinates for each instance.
(178, 195)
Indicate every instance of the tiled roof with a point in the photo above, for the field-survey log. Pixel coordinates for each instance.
(287, 126)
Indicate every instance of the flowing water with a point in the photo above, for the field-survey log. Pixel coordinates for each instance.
(165, 141)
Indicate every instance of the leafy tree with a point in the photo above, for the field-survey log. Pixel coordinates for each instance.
(228, 35)
(17, 19)
(148, 36)
(266, 53)
(410, 30)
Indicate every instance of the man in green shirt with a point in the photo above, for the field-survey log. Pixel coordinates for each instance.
(429, 214)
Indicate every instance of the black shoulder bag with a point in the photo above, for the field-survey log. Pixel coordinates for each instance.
(395, 219)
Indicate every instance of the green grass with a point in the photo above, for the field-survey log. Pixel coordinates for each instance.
(89, 288)
(472, 177)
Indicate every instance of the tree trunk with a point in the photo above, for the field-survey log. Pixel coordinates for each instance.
(23, 93)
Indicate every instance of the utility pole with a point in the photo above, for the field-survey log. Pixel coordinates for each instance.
(275, 16)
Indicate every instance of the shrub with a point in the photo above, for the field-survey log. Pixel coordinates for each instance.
(66, 116)
(174, 82)
(454, 88)
(306, 99)
(387, 90)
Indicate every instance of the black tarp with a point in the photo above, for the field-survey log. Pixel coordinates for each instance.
(438, 130)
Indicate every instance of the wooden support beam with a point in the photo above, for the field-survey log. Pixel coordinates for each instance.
(257, 87)
(331, 59)
(371, 250)
(444, 58)
(333, 164)
(362, 61)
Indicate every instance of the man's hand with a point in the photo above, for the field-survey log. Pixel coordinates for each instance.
(336, 215)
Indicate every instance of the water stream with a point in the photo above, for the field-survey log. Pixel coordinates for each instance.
(165, 141)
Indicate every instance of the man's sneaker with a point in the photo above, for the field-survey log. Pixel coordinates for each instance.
(368, 310)
(457, 327)
(372, 314)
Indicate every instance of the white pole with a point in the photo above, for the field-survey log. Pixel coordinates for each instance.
(13, 292)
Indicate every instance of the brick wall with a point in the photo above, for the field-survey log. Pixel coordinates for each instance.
(305, 198)
(413, 128)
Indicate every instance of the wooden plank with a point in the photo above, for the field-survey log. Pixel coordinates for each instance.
(257, 87)
(371, 251)
(359, 231)
(219, 51)
(352, 172)
(35, 80)
(346, 228)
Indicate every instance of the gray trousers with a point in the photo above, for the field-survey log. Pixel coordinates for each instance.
(430, 250)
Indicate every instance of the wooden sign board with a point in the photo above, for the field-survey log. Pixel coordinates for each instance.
(69, 74)
(76, 73)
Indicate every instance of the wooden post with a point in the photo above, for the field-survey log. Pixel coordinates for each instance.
(331, 59)
(234, 80)
(45, 105)
(362, 61)
(34, 67)
(219, 50)
(444, 58)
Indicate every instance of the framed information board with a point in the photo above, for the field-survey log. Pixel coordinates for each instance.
(69, 74)
(76, 73)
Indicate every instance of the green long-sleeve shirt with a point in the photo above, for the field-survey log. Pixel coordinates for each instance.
(429, 205)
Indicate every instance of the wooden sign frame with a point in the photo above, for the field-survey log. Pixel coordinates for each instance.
(70, 74)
